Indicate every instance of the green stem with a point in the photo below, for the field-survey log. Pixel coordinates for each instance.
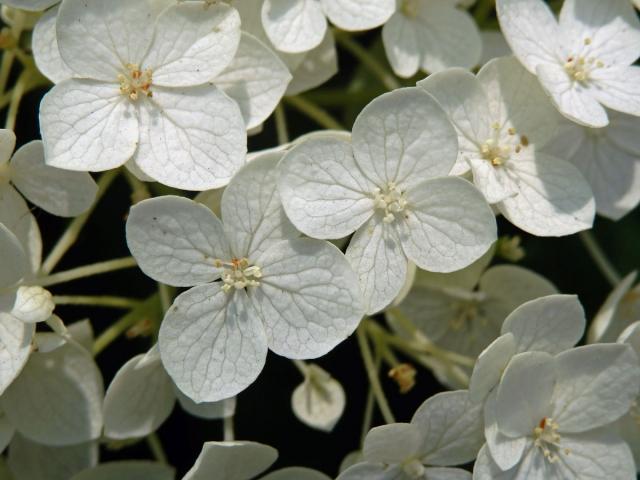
(227, 426)
(97, 301)
(155, 445)
(369, 61)
(483, 11)
(85, 271)
(139, 190)
(372, 374)
(600, 258)
(368, 407)
(314, 112)
(281, 125)
(14, 105)
(302, 367)
(72, 232)
(5, 69)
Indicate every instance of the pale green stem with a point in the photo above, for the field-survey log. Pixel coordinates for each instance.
(281, 125)
(155, 445)
(85, 271)
(600, 258)
(166, 296)
(372, 374)
(14, 105)
(302, 367)
(369, 61)
(5, 70)
(368, 408)
(483, 11)
(97, 301)
(314, 112)
(227, 425)
(139, 191)
(70, 235)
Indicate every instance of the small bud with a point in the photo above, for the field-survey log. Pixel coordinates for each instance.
(404, 375)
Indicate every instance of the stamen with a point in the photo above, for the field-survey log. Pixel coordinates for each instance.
(136, 82)
(547, 439)
(391, 200)
(238, 274)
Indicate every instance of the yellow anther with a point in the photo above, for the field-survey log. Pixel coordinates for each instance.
(238, 274)
(391, 200)
(136, 82)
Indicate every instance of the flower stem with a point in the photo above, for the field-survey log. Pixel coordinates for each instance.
(369, 61)
(372, 373)
(70, 235)
(86, 271)
(600, 258)
(314, 112)
(483, 11)
(155, 445)
(281, 125)
(227, 426)
(139, 190)
(302, 367)
(368, 408)
(97, 301)
(16, 98)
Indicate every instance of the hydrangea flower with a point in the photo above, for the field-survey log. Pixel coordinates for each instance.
(430, 35)
(299, 297)
(445, 430)
(583, 60)
(389, 185)
(319, 400)
(502, 120)
(56, 191)
(550, 324)
(608, 157)
(295, 26)
(147, 96)
(544, 421)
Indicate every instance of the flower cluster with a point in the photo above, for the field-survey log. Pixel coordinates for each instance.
(387, 231)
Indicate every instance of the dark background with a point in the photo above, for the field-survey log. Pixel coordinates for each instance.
(264, 412)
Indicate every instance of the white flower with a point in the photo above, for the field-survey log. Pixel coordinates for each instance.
(300, 25)
(430, 35)
(583, 59)
(466, 318)
(544, 419)
(619, 311)
(629, 425)
(146, 96)
(445, 430)
(56, 191)
(389, 185)
(503, 117)
(142, 396)
(319, 400)
(550, 324)
(299, 297)
(608, 157)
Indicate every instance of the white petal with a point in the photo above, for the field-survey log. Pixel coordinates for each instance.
(372, 471)
(30, 5)
(553, 197)
(524, 393)
(82, 332)
(193, 138)
(447, 474)
(530, 30)
(549, 324)
(308, 297)
(193, 44)
(596, 385)
(212, 343)
(404, 137)
(617, 88)
(324, 191)
(612, 28)
(16, 215)
(58, 398)
(493, 45)
(400, 39)
(7, 432)
(256, 79)
(604, 328)
(207, 410)
(485, 467)
(376, 256)
(7, 145)
(97, 39)
(505, 451)
(128, 470)
(463, 99)
(318, 401)
(56, 191)
(139, 399)
(294, 25)
(447, 225)
(34, 461)
(32, 304)
(252, 213)
(490, 365)
(88, 126)
(392, 443)
(494, 182)
(176, 240)
(296, 473)
(451, 428)
(15, 263)
(45, 48)
(238, 460)
(358, 14)
(574, 101)
(15, 347)
(317, 67)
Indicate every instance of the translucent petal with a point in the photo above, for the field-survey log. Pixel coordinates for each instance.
(238, 460)
(45, 48)
(295, 473)
(490, 365)
(358, 14)
(319, 401)
(294, 25)
(128, 470)
(400, 40)
(392, 443)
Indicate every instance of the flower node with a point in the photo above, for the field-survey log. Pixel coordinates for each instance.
(414, 469)
(547, 439)
(238, 274)
(136, 82)
(391, 200)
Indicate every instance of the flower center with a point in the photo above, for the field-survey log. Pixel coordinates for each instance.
(409, 8)
(391, 200)
(414, 469)
(238, 274)
(580, 67)
(547, 439)
(499, 149)
(135, 82)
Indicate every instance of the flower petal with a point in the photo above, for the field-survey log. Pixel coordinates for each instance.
(238, 460)
(15, 347)
(128, 470)
(490, 365)
(294, 25)
(358, 14)
(392, 443)
(505, 451)
(46, 53)
(617, 88)
(14, 259)
(400, 39)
